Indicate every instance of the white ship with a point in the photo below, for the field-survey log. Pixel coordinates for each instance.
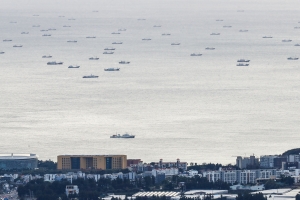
(196, 54)
(76, 66)
(124, 62)
(90, 76)
(108, 52)
(93, 58)
(112, 69)
(243, 60)
(18, 45)
(126, 135)
(286, 40)
(110, 48)
(46, 56)
(292, 58)
(54, 63)
(72, 41)
(242, 64)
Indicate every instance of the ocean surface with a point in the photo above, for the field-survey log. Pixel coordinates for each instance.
(198, 109)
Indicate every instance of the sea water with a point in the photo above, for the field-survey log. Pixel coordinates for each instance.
(196, 108)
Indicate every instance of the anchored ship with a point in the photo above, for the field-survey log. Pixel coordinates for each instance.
(76, 66)
(126, 135)
(124, 62)
(90, 76)
(112, 69)
(54, 63)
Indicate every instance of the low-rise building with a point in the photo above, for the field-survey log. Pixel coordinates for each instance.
(240, 176)
(18, 161)
(72, 189)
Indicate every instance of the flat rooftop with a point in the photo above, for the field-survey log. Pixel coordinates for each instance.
(16, 156)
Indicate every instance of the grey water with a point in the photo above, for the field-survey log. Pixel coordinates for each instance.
(196, 108)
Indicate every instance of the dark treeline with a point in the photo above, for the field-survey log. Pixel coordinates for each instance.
(88, 188)
(198, 182)
(210, 166)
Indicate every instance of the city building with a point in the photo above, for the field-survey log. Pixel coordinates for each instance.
(240, 176)
(278, 162)
(100, 162)
(72, 189)
(133, 161)
(267, 161)
(293, 158)
(18, 161)
(244, 163)
(177, 164)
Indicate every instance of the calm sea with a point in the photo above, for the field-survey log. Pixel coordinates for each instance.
(198, 109)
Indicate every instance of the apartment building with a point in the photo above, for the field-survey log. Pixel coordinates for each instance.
(100, 162)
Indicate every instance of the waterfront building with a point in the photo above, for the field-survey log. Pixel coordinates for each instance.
(267, 161)
(293, 158)
(177, 164)
(245, 162)
(229, 176)
(133, 162)
(240, 176)
(278, 162)
(18, 161)
(100, 162)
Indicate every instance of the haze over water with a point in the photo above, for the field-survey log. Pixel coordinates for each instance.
(198, 109)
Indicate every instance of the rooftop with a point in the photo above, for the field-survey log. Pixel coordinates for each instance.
(16, 156)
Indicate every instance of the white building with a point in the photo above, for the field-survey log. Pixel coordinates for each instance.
(167, 172)
(72, 189)
(239, 176)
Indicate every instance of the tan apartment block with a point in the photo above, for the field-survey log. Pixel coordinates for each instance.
(100, 162)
